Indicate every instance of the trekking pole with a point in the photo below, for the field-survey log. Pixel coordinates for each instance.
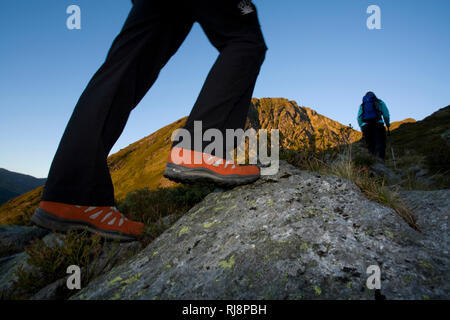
(392, 149)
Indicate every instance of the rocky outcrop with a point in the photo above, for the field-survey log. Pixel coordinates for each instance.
(296, 235)
(298, 125)
(13, 239)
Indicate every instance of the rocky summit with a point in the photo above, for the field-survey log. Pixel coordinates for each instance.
(295, 235)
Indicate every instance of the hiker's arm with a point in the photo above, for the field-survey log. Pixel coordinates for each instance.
(385, 112)
(360, 122)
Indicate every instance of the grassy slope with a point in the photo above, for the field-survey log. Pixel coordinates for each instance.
(20, 209)
(396, 124)
(427, 138)
(142, 163)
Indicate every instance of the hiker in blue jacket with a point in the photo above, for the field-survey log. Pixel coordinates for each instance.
(372, 116)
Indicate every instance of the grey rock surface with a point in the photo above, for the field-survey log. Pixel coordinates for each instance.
(296, 235)
(432, 210)
(382, 170)
(8, 272)
(13, 239)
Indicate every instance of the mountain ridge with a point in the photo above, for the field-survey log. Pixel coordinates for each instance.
(13, 184)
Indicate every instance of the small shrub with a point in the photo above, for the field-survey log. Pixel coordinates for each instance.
(149, 206)
(49, 262)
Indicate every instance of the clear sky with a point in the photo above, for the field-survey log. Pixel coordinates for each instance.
(321, 54)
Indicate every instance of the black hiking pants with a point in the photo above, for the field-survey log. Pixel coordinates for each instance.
(152, 33)
(375, 138)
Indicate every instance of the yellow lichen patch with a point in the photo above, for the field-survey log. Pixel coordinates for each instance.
(199, 210)
(312, 212)
(155, 253)
(317, 290)
(389, 233)
(140, 293)
(227, 264)
(116, 296)
(208, 225)
(131, 280)
(218, 208)
(304, 246)
(114, 281)
(183, 230)
(424, 264)
(231, 208)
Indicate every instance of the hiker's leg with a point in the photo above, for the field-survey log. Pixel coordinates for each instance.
(368, 132)
(152, 33)
(380, 141)
(225, 97)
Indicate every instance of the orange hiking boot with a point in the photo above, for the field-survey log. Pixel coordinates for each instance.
(107, 221)
(190, 166)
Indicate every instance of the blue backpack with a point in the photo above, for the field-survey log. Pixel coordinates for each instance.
(370, 113)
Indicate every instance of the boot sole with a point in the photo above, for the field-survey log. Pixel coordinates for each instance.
(183, 174)
(50, 221)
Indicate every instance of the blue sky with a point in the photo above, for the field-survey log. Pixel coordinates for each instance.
(321, 55)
